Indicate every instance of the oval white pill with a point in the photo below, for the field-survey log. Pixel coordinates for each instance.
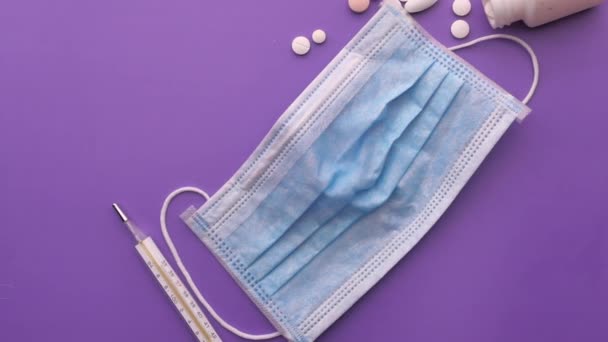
(460, 29)
(358, 6)
(300, 45)
(461, 7)
(319, 36)
(414, 6)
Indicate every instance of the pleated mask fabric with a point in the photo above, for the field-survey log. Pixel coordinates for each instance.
(353, 174)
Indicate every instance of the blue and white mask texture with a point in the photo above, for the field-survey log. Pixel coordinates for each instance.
(353, 174)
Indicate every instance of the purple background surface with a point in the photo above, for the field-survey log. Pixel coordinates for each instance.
(125, 100)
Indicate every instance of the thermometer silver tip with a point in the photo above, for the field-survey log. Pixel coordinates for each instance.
(120, 213)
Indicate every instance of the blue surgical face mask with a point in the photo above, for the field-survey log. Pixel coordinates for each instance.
(352, 175)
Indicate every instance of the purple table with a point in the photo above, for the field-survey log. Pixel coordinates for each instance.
(125, 100)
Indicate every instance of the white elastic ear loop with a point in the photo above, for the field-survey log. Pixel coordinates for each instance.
(186, 274)
(519, 41)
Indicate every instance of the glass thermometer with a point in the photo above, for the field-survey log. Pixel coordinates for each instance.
(170, 282)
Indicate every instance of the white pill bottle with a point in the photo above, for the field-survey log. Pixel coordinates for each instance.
(533, 12)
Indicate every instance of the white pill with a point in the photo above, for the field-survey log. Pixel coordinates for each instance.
(461, 7)
(300, 45)
(319, 36)
(460, 29)
(414, 6)
(358, 6)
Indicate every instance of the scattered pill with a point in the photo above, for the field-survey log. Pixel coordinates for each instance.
(358, 6)
(460, 29)
(461, 7)
(414, 6)
(319, 36)
(300, 45)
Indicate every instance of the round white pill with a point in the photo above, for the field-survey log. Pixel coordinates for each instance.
(358, 6)
(319, 36)
(300, 45)
(460, 29)
(461, 7)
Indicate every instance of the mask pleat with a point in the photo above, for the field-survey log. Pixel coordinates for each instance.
(309, 176)
(409, 147)
(355, 170)
(403, 152)
(355, 223)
